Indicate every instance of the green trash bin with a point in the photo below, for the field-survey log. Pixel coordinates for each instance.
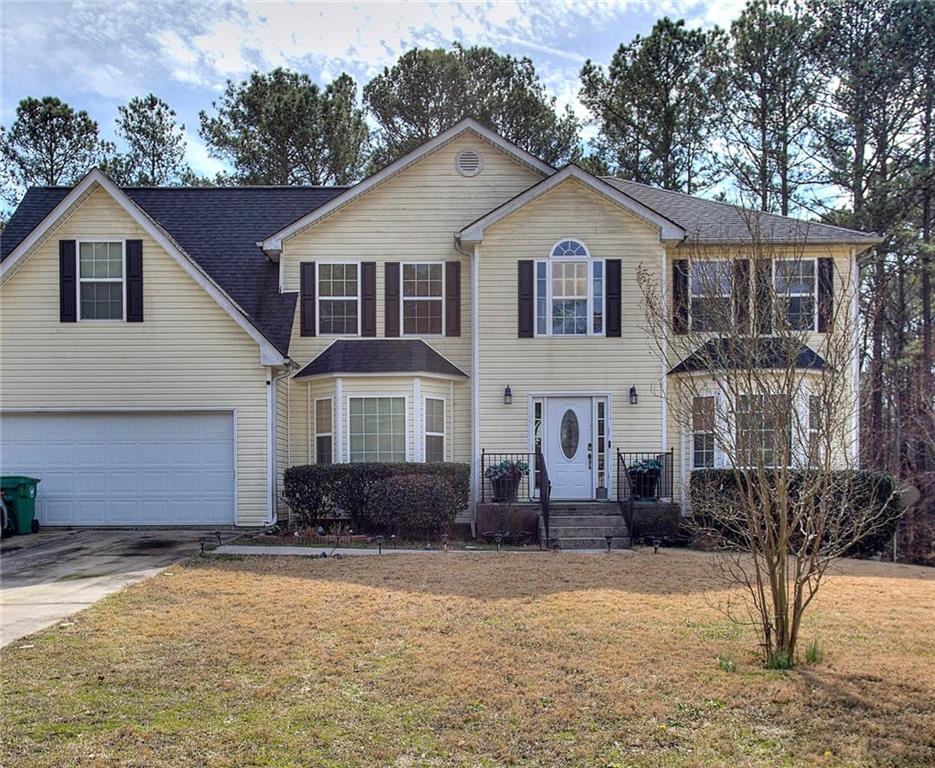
(19, 496)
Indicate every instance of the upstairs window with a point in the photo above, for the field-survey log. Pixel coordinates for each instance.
(422, 300)
(796, 293)
(710, 285)
(570, 292)
(100, 281)
(338, 299)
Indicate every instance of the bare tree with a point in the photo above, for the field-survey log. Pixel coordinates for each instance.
(762, 344)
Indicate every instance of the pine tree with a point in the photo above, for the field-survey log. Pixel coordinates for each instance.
(155, 144)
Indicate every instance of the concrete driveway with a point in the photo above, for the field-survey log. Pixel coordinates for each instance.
(48, 576)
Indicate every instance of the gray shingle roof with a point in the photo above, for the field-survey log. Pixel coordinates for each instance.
(380, 356)
(219, 227)
(711, 221)
(760, 353)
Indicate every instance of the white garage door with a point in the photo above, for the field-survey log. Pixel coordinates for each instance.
(124, 468)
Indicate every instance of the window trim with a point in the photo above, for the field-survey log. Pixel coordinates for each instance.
(782, 317)
(317, 434)
(691, 294)
(587, 251)
(319, 299)
(590, 261)
(407, 415)
(425, 430)
(402, 300)
(79, 280)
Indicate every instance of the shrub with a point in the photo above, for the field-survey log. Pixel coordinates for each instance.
(862, 489)
(410, 505)
(319, 491)
(813, 653)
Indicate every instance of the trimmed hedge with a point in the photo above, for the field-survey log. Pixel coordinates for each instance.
(413, 506)
(317, 492)
(864, 489)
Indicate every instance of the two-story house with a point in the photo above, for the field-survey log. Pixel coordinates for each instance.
(165, 353)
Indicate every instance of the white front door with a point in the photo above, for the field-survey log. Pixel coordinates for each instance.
(568, 447)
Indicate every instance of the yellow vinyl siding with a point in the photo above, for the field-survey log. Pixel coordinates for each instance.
(571, 364)
(188, 352)
(282, 442)
(411, 217)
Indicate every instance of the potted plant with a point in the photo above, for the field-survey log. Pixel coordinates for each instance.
(504, 478)
(644, 475)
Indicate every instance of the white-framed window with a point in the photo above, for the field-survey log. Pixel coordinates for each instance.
(377, 428)
(434, 429)
(764, 430)
(816, 430)
(338, 299)
(569, 292)
(795, 284)
(710, 287)
(423, 291)
(101, 273)
(703, 419)
(324, 431)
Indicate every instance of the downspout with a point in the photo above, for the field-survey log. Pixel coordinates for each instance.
(475, 392)
(271, 469)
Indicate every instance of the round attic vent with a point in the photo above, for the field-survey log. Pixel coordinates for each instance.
(469, 162)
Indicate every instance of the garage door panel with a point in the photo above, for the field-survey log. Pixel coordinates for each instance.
(125, 468)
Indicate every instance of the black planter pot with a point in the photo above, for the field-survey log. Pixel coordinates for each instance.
(644, 483)
(505, 488)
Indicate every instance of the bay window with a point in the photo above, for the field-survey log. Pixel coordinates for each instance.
(377, 428)
(703, 416)
(324, 431)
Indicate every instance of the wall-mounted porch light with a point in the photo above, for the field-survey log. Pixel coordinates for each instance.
(507, 395)
(634, 397)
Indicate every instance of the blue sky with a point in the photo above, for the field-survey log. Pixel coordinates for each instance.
(96, 55)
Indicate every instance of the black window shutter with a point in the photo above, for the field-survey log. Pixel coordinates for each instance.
(134, 281)
(452, 298)
(763, 296)
(368, 296)
(526, 299)
(825, 294)
(391, 299)
(67, 277)
(741, 291)
(680, 296)
(307, 298)
(612, 297)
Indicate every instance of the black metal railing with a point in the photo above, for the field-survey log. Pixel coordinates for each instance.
(510, 485)
(545, 494)
(625, 493)
(649, 472)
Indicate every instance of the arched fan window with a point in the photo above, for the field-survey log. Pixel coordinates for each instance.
(569, 249)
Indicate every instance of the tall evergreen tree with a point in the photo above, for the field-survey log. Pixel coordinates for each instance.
(427, 91)
(49, 143)
(281, 128)
(657, 106)
(772, 89)
(155, 144)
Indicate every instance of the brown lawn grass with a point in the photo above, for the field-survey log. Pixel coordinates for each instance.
(470, 660)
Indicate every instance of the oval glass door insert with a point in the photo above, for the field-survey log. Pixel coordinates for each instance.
(569, 435)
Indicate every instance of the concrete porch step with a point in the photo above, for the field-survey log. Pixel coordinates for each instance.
(583, 542)
(557, 521)
(587, 532)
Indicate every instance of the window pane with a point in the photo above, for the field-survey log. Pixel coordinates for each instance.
(422, 316)
(710, 314)
(323, 416)
(764, 430)
(337, 316)
(434, 448)
(569, 248)
(570, 317)
(541, 298)
(339, 280)
(597, 297)
(100, 260)
(711, 278)
(435, 415)
(377, 429)
(323, 451)
(102, 301)
(422, 280)
(703, 451)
